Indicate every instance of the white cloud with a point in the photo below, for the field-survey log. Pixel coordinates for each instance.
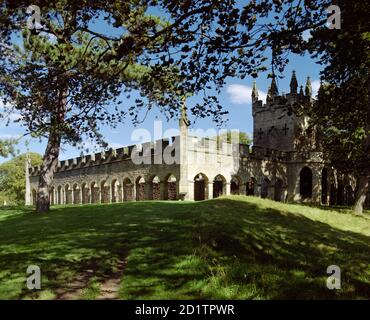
(9, 136)
(115, 145)
(315, 87)
(241, 94)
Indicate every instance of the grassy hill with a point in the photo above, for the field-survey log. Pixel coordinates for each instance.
(233, 247)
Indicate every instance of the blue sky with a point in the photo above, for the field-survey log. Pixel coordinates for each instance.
(235, 97)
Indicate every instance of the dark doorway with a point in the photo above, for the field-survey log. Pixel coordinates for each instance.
(200, 187)
(324, 186)
(305, 185)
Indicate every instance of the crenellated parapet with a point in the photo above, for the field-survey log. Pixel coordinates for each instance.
(109, 156)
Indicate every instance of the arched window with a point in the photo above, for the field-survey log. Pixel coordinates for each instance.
(235, 185)
(219, 186)
(278, 192)
(250, 187)
(200, 187)
(128, 194)
(171, 188)
(305, 183)
(265, 185)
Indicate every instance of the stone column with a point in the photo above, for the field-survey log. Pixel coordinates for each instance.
(190, 190)
(243, 189)
(227, 188)
(210, 190)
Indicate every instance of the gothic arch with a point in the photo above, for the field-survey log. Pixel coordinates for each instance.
(127, 186)
(219, 186)
(68, 194)
(305, 183)
(140, 188)
(251, 186)
(60, 195)
(104, 192)
(116, 188)
(95, 192)
(85, 193)
(235, 184)
(278, 190)
(76, 194)
(170, 187)
(200, 187)
(265, 185)
(154, 188)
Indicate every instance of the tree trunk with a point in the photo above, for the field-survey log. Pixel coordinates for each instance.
(49, 165)
(51, 155)
(362, 185)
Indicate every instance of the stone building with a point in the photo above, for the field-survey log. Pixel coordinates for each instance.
(283, 164)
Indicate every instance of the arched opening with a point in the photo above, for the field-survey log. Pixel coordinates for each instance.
(349, 196)
(265, 185)
(200, 187)
(34, 197)
(219, 186)
(250, 186)
(76, 194)
(170, 188)
(278, 192)
(85, 193)
(59, 195)
(305, 183)
(324, 186)
(68, 194)
(51, 196)
(340, 193)
(95, 193)
(116, 188)
(105, 192)
(140, 189)
(127, 190)
(235, 185)
(155, 188)
(333, 195)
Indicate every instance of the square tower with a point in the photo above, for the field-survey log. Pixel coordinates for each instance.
(275, 126)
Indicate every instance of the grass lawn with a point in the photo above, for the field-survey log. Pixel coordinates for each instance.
(233, 247)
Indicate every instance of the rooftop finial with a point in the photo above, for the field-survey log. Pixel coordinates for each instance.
(308, 89)
(301, 90)
(293, 83)
(254, 92)
(273, 88)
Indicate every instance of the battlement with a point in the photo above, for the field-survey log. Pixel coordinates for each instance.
(112, 155)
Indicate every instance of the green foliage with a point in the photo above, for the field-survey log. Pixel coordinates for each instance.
(234, 247)
(7, 147)
(12, 177)
(243, 137)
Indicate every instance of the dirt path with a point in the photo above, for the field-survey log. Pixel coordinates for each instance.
(109, 285)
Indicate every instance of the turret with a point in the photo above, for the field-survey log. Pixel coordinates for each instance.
(254, 92)
(293, 84)
(308, 89)
(301, 91)
(274, 88)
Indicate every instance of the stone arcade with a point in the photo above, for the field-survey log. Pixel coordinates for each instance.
(284, 164)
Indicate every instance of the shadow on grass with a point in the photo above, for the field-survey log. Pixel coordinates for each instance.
(217, 249)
